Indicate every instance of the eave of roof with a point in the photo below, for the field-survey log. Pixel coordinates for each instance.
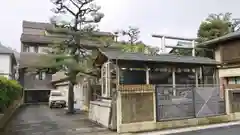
(8, 51)
(166, 58)
(35, 60)
(66, 31)
(217, 41)
(35, 25)
(52, 29)
(26, 38)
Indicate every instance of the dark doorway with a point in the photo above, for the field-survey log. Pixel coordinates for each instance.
(36, 96)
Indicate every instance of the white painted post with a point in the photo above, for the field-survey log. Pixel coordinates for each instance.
(196, 76)
(119, 111)
(174, 81)
(147, 75)
(227, 101)
(163, 44)
(119, 108)
(201, 75)
(193, 48)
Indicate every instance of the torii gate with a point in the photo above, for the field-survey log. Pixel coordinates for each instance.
(185, 41)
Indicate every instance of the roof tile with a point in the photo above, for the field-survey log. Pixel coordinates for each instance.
(165, 58)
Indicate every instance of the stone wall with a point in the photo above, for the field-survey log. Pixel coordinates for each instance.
(173, 124)
(8, 113)
(135, 104)
(137, 107)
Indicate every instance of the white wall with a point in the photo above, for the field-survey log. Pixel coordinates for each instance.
(99, 112)
(218, 54)
(5, 66)
(78, 95)
(229, 72)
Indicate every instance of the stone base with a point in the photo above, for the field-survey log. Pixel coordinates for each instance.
(151, 126)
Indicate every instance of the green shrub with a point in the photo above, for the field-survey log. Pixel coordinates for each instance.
(10, 90)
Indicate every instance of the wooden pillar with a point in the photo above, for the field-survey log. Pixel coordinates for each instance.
(21, 79)
(193, 48)
(163, 44)
(108, 79)
(216, 76)
(174, 81)
(201, 75)
(196, 76)
(118, 101)
(147, 75)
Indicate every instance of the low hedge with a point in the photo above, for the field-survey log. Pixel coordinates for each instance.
(10, 90)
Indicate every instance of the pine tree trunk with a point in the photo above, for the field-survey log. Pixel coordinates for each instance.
(71, 98)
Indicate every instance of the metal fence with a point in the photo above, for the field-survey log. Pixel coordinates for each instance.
(188, 101)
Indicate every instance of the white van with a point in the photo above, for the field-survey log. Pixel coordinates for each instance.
(56, 99)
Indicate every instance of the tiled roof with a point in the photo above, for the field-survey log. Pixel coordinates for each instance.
(88, 44)
(36, 25)
(44, 26)
(216, 41)
(40, 39)
(164, 58)
(35, 60)
(5, 50)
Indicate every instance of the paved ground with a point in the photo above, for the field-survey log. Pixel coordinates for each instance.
(231, 130)
(40, 120)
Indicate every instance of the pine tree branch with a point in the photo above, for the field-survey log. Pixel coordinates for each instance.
(74, 3)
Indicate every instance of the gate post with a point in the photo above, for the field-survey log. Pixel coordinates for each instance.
(227, 101)
(194, 102)
(155, 104)
(156, 116)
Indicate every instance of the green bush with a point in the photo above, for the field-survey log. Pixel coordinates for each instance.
(10, 90)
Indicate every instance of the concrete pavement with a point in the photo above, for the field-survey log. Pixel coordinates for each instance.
(215, 129)
(40, 120)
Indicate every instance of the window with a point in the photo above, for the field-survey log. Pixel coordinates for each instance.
(36, 49)
(26, 48)
(41, 76)
(56, 94)
(237, 80)
(233, 80)
(31, 49)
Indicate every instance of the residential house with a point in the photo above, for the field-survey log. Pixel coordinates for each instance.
(8, 61)
(138, 91)
(35, 39)
(227, 52)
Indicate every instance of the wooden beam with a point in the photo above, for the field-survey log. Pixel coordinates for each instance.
(173, 37)
(178, 47)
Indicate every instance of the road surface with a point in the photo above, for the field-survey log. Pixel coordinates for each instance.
(40, 120)
(231, 130)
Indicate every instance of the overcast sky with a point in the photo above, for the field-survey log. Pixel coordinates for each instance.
(171, 17)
